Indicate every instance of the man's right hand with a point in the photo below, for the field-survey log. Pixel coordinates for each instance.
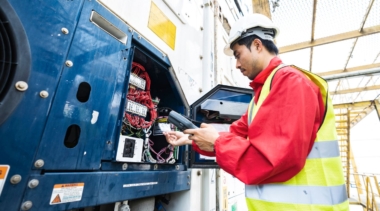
(176, 138)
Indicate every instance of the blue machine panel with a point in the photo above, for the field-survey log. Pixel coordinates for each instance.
(100, 62)
(104, 187)
(80, 55)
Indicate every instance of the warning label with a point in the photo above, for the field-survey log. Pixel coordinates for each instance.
(64, 193)
(4, 169)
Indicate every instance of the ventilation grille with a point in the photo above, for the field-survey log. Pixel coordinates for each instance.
(7, 55)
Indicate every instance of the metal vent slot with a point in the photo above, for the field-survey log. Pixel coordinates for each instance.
(7, 56)
(108, 27)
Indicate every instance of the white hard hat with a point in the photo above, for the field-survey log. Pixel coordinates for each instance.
(251, 24)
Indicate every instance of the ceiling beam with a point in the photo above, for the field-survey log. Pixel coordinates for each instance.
(312, 33)
(366, 15)
(362, 104)
(262, 7)
(331, 39)
(352, 69)
(360, 29)
(359, 89)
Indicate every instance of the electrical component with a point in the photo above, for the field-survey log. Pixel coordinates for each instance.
(129, 149)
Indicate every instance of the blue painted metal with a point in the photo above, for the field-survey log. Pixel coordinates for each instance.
(21, 132)
(105, 187)
(37, 127)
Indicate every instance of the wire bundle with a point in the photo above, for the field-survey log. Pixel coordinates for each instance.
(142, 97)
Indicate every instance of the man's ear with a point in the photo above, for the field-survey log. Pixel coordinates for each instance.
(257, 44)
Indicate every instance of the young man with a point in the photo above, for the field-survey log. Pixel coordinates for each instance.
(284, 148)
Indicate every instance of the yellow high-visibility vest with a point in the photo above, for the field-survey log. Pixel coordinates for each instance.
(320, 185)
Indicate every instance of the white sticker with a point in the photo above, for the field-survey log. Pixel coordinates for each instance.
(64, 193)
(95, 115)
(4, 169)
(139, 184)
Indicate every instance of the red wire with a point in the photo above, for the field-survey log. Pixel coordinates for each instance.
(141, 97)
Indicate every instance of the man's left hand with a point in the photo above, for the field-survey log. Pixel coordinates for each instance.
(204, 136)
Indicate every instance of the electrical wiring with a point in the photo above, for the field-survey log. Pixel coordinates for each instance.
(142, 97)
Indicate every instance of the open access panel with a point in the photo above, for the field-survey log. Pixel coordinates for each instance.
(221, 106)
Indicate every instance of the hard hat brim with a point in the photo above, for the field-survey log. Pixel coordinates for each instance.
(227, 50)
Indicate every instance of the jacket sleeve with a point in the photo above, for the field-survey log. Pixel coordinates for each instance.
(281, 135)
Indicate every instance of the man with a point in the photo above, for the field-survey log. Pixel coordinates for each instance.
(284, 148)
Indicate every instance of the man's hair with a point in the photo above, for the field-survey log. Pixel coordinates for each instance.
(269, 45)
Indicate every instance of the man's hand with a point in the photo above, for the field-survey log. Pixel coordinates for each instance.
(177, 138)
(204, 136)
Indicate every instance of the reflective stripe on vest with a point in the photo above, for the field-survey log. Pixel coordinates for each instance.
(319, 195)
(320, 184)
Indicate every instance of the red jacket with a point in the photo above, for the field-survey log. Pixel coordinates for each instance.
(281, 134)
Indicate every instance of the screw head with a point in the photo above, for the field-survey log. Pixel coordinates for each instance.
(155, 167)
(44, 94)
(26, 205)
(125, 166)
(21, 86)
(33, 183)
(69, 63)
(39, 163)
(15, 179)
(64, 30)
(177, 167)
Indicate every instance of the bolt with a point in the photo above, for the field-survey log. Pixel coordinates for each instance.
(199, 172)
(44, 94)
(130, 29)
(26, 205)
(69, 63)
(65, 30)
(15, 179)
(177, 167)
(39, 163)
(155, 167)
(125, 166)
(188, 176)
(33, 183)
(188, 183)
(21, 85)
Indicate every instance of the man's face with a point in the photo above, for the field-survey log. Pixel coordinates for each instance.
(247, 61)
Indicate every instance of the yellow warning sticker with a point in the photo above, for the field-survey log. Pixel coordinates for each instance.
(162, 26)
(64, 193)
(4, 169)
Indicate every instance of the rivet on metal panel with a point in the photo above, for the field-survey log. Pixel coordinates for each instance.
(26, 205)
(188, 176)
(33, 183)
(84, 153)
(65, 30)
(15, 179)
(200, 56)
(21, 86)
(125, 166)
(44, 94)
(201, 28)
(155, 167)
(199, 172)
(188, 183)
(39, 163)
(139, 36)
(177, 167)
(69, 63)
(130, 29)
